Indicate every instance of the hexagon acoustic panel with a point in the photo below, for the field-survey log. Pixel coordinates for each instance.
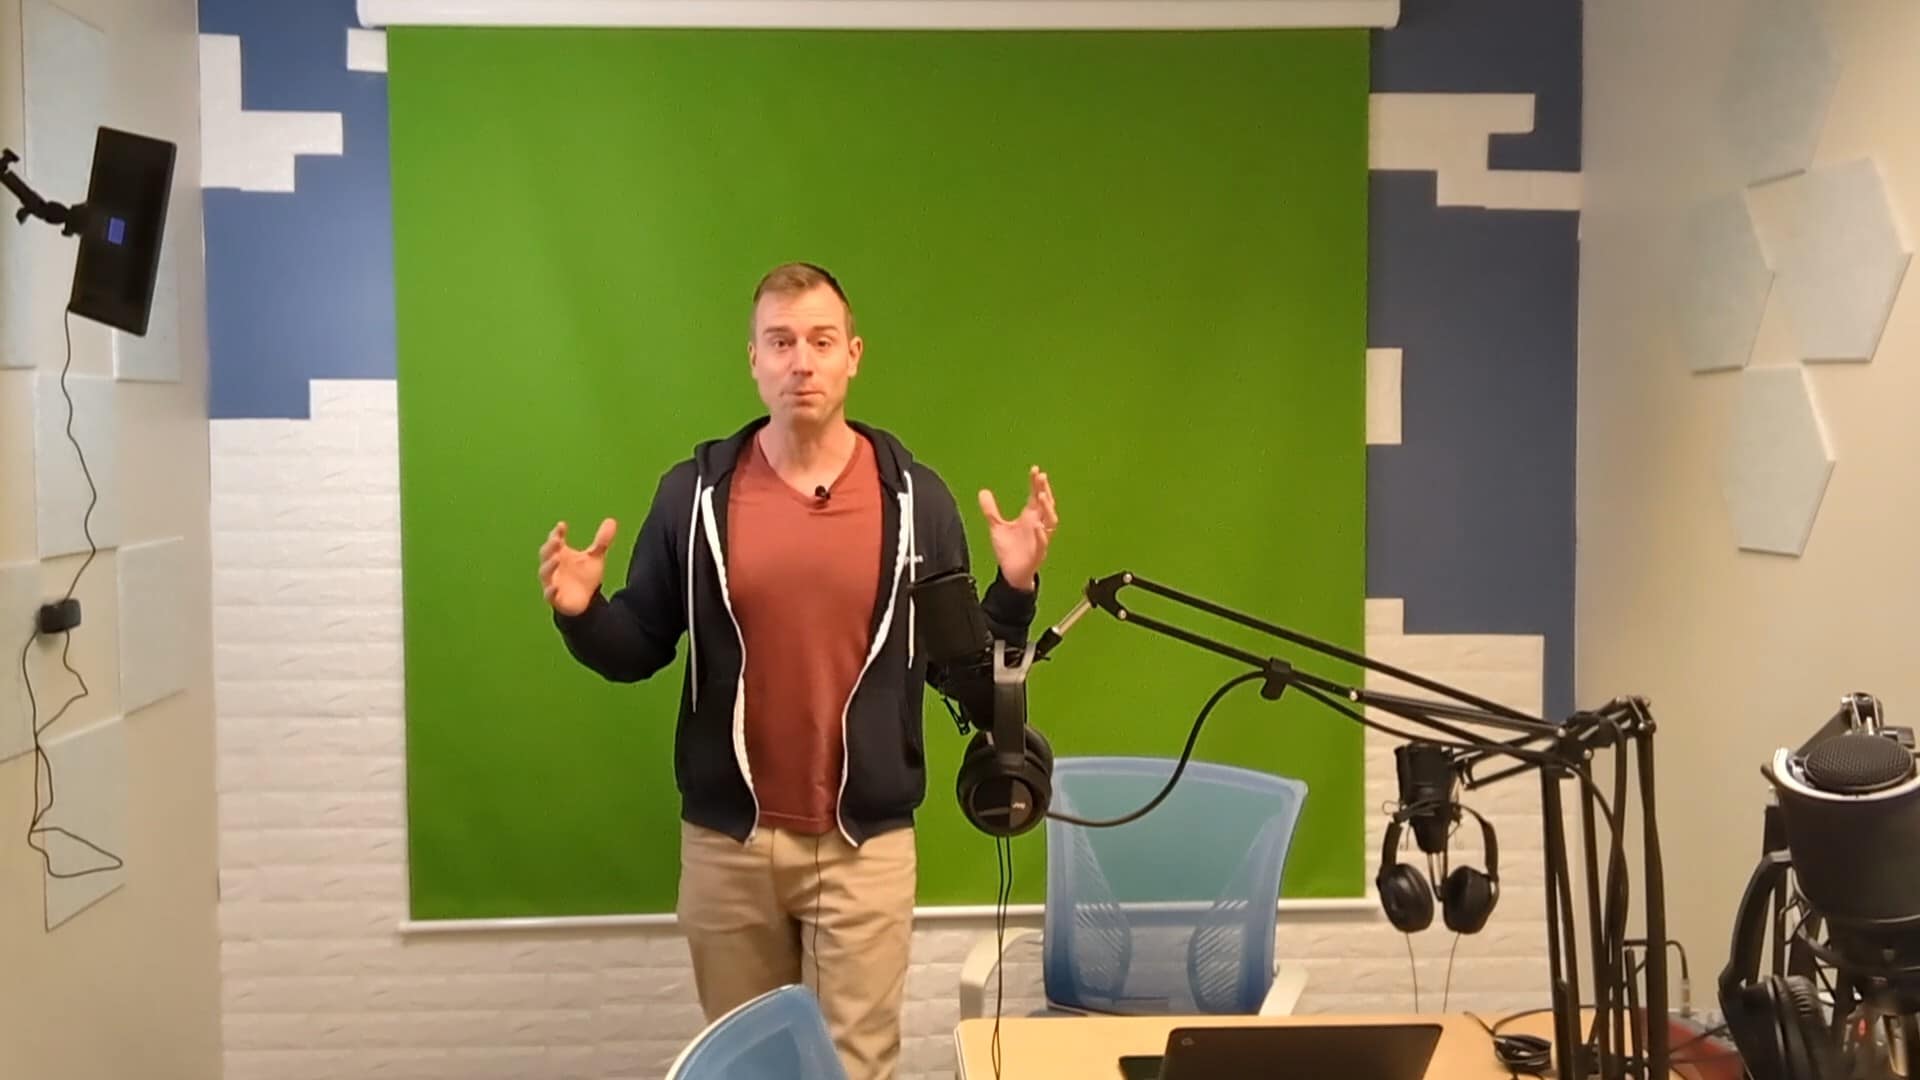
(1724, 287)
(1773, 102)
(1778, 461)
(1840, 257)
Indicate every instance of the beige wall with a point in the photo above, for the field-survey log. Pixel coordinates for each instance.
(129, 987)
(1739, 652)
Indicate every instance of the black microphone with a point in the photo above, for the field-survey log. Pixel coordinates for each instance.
(1426, 792)
(957, 642)
(1848, 810)
(820, 492)
(967, 664)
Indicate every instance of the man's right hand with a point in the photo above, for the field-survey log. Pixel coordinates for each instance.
(571, 579)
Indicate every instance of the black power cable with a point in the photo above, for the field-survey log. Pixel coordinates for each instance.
(43, 786)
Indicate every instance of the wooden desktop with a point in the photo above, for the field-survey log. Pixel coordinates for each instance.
(1090, 1047)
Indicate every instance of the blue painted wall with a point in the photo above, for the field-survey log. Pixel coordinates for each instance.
(300, 286)
(1494, 46)
(1470, 518)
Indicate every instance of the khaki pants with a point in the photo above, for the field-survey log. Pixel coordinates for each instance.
(749, 914)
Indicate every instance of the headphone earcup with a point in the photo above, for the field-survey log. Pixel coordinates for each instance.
(1039, 771)
(976, 762)
(1000, 802)
(1405, 898)
(1753, 1019)
(1466, 900)
(1804, 1041)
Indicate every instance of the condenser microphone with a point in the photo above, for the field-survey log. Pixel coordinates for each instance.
(1426, 792)
(957, 642)
(820, 492)
(1849, 812)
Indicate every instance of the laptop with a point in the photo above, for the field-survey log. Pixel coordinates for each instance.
(1289, 1051)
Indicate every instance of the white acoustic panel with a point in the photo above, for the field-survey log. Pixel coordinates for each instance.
(60, 486)
(155, 355)
(1724, 285)
(19, 599)
(1448, 135)
(1383, 397)
(1779, 81)
(67, 83)
(1841, 258)
(88, 852)
(153, 598)
(1778, 462)
(252, 150)
(366, 49)
(16, 298)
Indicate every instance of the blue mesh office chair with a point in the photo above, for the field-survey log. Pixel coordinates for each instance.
(1173, 913)
(780, 1035)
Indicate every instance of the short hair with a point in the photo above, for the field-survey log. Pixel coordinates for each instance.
(794, 278)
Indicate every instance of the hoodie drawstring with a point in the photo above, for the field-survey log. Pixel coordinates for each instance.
(693, 651)
(913, 566)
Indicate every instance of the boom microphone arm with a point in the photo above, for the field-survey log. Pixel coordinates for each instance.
(1555, 751)
(1103, 593)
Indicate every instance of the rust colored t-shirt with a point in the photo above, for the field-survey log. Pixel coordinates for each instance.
(804, 574)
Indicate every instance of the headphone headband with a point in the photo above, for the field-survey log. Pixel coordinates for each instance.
(1489, 842)
(1391, 842)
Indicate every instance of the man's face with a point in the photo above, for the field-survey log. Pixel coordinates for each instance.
(802, 356)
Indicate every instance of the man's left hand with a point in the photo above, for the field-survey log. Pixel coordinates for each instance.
(1020, 543)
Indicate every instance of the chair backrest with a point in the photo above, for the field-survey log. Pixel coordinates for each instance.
(1173, 912)
(780, 1035)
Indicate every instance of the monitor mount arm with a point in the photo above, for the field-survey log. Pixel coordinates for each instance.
(70, 219)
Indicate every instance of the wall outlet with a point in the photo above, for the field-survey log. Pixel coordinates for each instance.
(60, 616)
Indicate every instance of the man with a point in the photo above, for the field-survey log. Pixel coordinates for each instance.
(786, 552)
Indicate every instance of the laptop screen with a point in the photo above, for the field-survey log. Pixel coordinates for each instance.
(1284, 1051)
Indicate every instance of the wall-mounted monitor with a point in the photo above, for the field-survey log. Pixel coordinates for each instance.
(120, 226)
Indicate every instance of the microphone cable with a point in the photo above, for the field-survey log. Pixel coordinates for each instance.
(1193, 737)
(1519, 1054)
(1179, 767)
(1003, 850)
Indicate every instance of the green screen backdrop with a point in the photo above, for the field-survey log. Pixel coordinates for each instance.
(1135, 259)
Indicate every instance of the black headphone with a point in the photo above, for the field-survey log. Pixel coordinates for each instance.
(1001, 797)
(1776, 1021)
(1467, 896)
(1005, 783)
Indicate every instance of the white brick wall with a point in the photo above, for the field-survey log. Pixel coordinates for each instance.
(319, 984)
